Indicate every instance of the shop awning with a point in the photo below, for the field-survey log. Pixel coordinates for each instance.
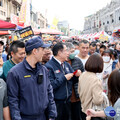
(6, 25)
(4, 32)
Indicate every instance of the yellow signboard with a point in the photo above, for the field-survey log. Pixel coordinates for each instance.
(103, 38)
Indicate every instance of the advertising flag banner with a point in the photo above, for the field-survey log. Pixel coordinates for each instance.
(24, 17)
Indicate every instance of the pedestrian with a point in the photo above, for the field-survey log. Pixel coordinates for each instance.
(46, 55)
(76, 64)
(90, 87)
(61, 77)
(4, 108)
(102, 48)
(3, 55)
(113, 95)
(117, 47)
(84, 49)
(30, 94)
(92, 48)
(17, 53)
(107, 69)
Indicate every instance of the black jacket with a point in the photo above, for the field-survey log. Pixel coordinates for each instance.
(76, 64)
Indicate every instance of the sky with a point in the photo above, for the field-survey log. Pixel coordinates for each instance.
(73, 11)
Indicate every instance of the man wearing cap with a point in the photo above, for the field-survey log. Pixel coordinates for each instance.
(30, 93)
(3, 55)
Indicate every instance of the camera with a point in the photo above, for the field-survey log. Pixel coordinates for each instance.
(40, 79)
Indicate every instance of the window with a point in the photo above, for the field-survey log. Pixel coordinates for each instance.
(112, 20)
(15, 9)
(1, 2)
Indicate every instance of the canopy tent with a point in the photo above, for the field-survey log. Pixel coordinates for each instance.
(47, 31)
(6, 25)
(102, 36)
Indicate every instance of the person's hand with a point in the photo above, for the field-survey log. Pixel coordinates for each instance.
(69, 76)
(91, 113)
(105, 76)
(78, 73)
(1, 62)
(88, 118)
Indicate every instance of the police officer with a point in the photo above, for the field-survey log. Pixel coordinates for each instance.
(30, 93)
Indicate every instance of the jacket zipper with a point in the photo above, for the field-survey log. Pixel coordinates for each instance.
(67, 89)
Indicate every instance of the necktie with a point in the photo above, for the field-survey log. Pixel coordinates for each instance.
(62, 66)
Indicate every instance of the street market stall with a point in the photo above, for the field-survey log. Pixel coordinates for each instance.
(48, 34)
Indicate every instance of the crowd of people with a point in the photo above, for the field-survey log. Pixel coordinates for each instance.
(72, 80)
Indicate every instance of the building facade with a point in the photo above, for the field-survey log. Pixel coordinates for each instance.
(41, 20)
(107, 19)
(8, 7)
(63, 26)
(10, 10)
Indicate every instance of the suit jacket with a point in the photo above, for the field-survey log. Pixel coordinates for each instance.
(62, 88)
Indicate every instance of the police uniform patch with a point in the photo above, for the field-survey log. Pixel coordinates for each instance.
(26, 76)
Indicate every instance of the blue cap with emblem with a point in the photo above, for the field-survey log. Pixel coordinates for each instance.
(35, 42)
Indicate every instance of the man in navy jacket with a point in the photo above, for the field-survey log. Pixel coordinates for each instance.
(30, 93)
(61, 77)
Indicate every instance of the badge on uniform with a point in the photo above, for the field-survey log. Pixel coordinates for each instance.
(57, 71)
(27, 76)
(67, 69)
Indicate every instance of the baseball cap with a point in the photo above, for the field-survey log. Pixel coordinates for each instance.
(35, 42)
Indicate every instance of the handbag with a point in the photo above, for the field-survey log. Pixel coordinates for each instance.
(101, 107)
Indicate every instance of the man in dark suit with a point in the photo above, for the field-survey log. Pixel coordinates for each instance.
(61, 77)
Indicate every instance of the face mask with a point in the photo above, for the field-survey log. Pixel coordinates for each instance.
(72, 56)
(77, 52)
(1, 71)
(106, 58)
(111, 48)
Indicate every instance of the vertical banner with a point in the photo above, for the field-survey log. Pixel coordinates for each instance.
(27, 22)
(54, 23)
(24, 17)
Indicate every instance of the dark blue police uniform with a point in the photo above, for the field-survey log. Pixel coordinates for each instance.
(27, 99)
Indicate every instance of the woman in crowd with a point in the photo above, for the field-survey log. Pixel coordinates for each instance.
(118, 63)
(113, 95)
(107, 69)
(114, 58)
(90, 87)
